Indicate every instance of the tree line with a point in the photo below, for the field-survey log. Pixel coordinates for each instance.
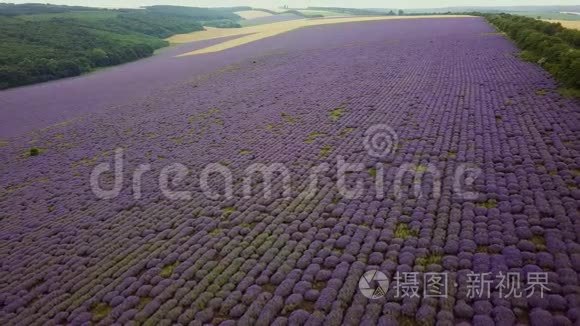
(554, 47)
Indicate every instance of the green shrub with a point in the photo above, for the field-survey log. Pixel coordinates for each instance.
(34, 152)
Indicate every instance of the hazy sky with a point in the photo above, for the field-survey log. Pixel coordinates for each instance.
(305, 3)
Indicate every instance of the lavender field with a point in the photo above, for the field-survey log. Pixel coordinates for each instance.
(455, 97)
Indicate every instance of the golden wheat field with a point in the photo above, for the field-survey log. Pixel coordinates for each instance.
(572, 24)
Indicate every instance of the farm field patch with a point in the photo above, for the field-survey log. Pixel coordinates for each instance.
(251, 14)
(325, 13)
(572, 24)
(281, 17)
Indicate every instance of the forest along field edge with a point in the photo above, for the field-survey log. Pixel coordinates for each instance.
(62, 41)
(60, 101)
(478, 179)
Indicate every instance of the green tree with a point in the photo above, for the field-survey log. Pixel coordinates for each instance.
(67, 68)
(98, 57)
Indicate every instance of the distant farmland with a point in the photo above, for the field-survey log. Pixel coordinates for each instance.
(332, 174)
(550, 15)
(252, 14)
(254, 33)
(567, 23)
